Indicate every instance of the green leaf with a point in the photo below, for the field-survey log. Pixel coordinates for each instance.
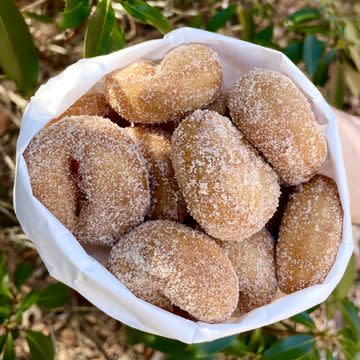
(349, 346)
(305, 319)
(5, 293)
(321, 74)
(164, 344)
(146, 14)
(311, 29)
(175, 348)
(264, 37)
(336, 90)
(237, 347)
(255, 340)
(351, 316)
(311, 355)
(74, 13)
(2, 265)
(312, 309)
(2, 341)
(29, 300)
(291, 347)
(5, 313)
(212, 346)
(118, 38)
(22, 272)
(98, 40)
(41, 346)
(355, 56)
(294, 51)
(197, 21)
(246, 20)
(54, 295)
(18, 57)
(342, 289)
(9, 350)
(352, 34)
(352, 79)
(38, 17)
(304, 15)
(221, 18)
(312, 51)
(134, 336)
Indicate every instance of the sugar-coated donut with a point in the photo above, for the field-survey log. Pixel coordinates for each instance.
(184, 265)
(189, 77)
(92, 104)
(310, 234)
(219, 104)
(167, 200)
(277, 119)
(91, 175)
(254, 263)
(228, 188)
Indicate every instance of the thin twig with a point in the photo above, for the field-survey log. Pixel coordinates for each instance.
(92, 336)
(32, 6)
(15, 98)
(74, 309)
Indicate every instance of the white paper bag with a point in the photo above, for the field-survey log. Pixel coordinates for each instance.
(66, 259)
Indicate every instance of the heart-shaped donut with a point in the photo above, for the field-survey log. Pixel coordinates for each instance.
(189, 77)
(91, 175)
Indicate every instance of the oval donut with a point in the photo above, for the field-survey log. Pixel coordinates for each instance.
(254, 263)
(277, 119)
(91, 176)
(91, 104)
(189, 77)
(167, 200)
(310, 234)
(228, 188)
(184, 265)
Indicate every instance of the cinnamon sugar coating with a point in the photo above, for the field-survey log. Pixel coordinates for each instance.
(167, 200)
(189, 77)
(228, 188)
(91, 176)
(184, 265)
(254, 263)
(219, 104)
(92, 104)
(310, 234)
(277, 119)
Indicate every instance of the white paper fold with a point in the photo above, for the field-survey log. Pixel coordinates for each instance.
(68, 262)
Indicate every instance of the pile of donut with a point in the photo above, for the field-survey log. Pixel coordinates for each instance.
(209, 197)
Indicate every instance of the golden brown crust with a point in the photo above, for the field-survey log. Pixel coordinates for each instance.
(310, 235)
(229, 190)
(219, 104)
(110, 179)
(189, 77)
(167, 200)
(254, 263)
(277, 119)
(92, 104)
(186, 266)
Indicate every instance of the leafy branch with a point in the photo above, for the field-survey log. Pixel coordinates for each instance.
(13, 304)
